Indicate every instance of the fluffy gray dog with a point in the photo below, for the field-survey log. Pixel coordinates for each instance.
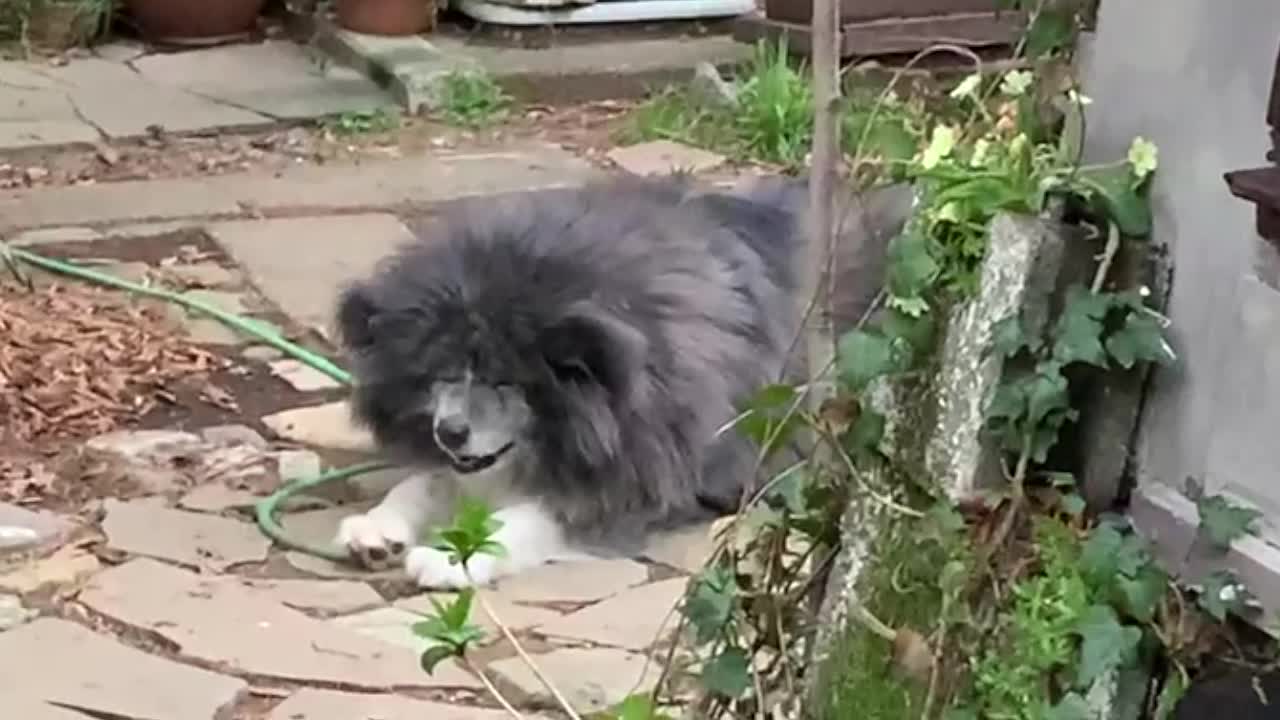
(570, 356)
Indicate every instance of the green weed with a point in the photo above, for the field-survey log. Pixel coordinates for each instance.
(363, 122)
(473, 99)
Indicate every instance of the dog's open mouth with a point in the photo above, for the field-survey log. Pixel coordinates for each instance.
(473, 464)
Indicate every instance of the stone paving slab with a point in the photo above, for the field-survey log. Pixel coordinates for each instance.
(119, 102)
(68, 565)
(632, 619)
(301, 264)
(35, 112)
(17, 704)
(592, 679)
(274, 78)
(145, 527)
(312, 704)
(233, 626)
(58, 661)
(516, 616)
(327, 189)
(660, 157)
(581, 581)
(323, 597)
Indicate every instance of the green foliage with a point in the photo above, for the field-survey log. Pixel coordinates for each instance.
(472, 98)
(470, 534)
(363, 122)
(450, 628)
(1223, 522)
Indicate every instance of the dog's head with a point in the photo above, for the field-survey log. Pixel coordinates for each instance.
(471, 352)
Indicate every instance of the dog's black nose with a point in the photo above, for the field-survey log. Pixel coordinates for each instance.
(452, 434)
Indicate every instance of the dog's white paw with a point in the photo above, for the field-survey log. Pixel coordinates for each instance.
(376, 540)
(430, 568)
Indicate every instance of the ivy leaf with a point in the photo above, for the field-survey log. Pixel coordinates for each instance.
(710, 603)
(917, 330)
(911, 265)
(1223, 522)
(1071, 707)
(1010, 336)
(1140, 338)
(1051, 30)
(867, 431)
(1114, 193)
(728, 673)
(1078, 336)
(1106, 644)
(1222, 594)
(1098, 556)
(767, 418)
(1140, 595)
(434, 655)
(1046, 394)
(863, 356)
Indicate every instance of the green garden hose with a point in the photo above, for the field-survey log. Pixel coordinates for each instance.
(266, 509)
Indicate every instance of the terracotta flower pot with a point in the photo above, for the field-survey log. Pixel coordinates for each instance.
(386, 17)
(179, 20)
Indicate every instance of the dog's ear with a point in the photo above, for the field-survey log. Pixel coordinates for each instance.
(356, 314)
(589, 344)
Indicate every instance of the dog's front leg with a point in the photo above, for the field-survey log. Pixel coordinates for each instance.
(380, 537)
(529, 536)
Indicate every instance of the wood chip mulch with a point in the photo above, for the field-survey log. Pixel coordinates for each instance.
(78, 361)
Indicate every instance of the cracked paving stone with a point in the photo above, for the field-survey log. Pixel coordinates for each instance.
(58, 661)
(216, 497)
(13, 613)
(592, 679)
(686, 549)
(324, 597)
(23, 530)
(221, 623)
(659, 157)
(516, 616)
(17, 704)
(144, 527)
(580, 581)
(630, 619)
(314, 704)
(301, 376)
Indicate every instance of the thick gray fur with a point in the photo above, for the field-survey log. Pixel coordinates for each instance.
(635, 315)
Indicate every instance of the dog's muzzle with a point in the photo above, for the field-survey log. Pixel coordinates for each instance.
(467, 465)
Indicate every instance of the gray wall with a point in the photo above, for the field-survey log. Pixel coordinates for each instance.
(1194, 76)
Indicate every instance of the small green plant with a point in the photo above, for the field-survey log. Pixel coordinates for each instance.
(472, 98)
(363, 122)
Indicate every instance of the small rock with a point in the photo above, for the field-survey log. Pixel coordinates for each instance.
(68, 566)
(150, 447)
(660, 157)
(22, 530)
(145, 528)
(202, 275)
(36, 173)
(301, 376)
(634, 619)
(592, 679)
(712, 90)
(296, 464)
(13, 613)
(326, 426)
(581, 581)
(233, 435)
(216, 497)
(107, 154)
(261, 353)
(104, 678)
